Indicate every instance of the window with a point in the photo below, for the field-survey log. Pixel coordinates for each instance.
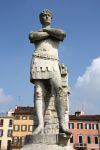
(88, 139)
(71, 139)
(9, 133)
(10, 123)
(1, 122)
(16, 127)
(9, 145)
(96, 140)
(71, 125)
(0, 144)
(17, 117)
(80, 139)
(31, 117)
(95, 126)
(87, 126)
(24, 117)
(22, 140)
(15, 140)
(30, 128)
(23, 128)
(79, 125)
(1, 132)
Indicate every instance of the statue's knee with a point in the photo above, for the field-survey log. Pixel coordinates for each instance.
(60, 91)
(38, 92)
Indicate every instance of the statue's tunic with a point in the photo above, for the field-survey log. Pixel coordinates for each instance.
(44, 64)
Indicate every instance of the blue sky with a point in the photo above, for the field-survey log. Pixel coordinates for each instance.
(80, 51)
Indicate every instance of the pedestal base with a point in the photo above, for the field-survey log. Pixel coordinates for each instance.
(46, 142)
(45, 147)
(50, 139)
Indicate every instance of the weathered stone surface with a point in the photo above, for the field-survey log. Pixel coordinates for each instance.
(50, 77)
(51, 89)
(51, 139)
(46, 147)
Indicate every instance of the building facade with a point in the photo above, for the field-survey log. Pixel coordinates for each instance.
(22, 126)
(6, 130)
(85, 131)
(14, 126)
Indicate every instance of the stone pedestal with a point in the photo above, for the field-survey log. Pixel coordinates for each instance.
(46, 142)
(50, 139)
(46, 147)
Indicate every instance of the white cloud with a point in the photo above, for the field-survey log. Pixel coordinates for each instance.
(3, 97)
(87, 89)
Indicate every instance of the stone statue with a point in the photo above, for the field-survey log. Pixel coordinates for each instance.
(45, 68)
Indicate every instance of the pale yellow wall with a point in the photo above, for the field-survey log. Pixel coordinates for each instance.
(5, 128)
(22, 122)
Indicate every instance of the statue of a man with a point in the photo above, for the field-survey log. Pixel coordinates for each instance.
(45, 68)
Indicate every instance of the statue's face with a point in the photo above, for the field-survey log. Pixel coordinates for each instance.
(46, 19)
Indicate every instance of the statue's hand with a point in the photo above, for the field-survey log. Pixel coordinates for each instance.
(36, 36)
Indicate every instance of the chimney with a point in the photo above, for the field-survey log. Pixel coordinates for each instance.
(10, 112)
(79, 113)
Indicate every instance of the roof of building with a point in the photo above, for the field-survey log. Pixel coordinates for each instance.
(24, 110)
(84, 118)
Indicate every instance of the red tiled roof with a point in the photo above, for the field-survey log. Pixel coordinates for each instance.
(85, 117)
(24, 110)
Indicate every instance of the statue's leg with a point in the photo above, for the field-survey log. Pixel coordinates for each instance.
(39, 90)
(57, 83)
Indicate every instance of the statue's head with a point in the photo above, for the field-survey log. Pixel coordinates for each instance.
(45, 17)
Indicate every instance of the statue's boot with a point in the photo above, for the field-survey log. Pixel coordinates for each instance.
(39, 111)
(66, 131)
(61, 116)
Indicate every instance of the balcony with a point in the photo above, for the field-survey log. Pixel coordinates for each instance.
(80, 146)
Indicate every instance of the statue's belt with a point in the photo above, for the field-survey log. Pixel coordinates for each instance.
(45, 56)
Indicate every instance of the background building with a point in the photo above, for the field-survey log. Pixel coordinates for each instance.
(22, 126)
(15, 125)
(85, 131)
(6, 129)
